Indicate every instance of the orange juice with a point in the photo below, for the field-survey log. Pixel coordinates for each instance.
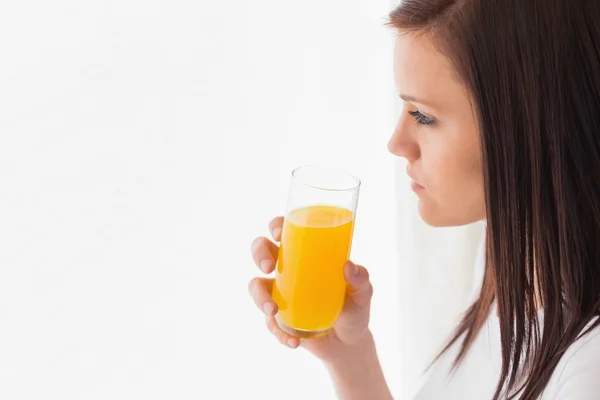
(309, 287)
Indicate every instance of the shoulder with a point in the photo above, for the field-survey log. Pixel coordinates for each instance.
(577, 375)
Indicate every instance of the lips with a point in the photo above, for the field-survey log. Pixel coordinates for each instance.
(415, 184)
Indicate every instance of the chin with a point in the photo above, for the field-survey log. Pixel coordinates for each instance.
(437, 222)
(434, 217)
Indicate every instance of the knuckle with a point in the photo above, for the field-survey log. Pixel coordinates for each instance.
(255, 244)
(274, 329)
(369, 290)
(261, 249)
(283, 340)
(280, 336)
(271, 325)
(276, 222)
(262, 244)
(252, 287)
(365, 272)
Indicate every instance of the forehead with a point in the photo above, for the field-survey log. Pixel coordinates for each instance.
(420, 70)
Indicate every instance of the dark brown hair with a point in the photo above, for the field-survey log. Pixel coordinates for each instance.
(532, 68)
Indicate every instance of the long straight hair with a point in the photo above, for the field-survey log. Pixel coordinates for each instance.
(532, 68)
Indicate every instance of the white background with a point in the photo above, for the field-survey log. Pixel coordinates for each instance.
(144, 144)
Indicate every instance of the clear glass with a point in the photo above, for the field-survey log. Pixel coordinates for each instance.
(316, 240)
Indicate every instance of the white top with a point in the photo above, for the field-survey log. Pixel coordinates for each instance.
(576, 377)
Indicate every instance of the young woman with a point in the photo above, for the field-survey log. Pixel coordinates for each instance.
(501, 123)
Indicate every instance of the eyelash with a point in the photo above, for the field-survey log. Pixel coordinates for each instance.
(421, 119)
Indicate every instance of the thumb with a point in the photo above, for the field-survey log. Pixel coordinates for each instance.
(360, 289)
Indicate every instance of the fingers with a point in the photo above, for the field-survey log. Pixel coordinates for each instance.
(260, 291)
(360, 289)
(264, 251)
(275, 227)
(282, 337)
(264, 254)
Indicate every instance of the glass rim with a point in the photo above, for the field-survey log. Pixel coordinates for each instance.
(357, 181)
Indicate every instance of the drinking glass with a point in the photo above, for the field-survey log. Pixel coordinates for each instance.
(316, 240)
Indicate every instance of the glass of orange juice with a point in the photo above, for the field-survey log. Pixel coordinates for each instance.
(309, 286)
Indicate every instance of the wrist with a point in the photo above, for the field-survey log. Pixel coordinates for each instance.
(357, 374)
(350, 354)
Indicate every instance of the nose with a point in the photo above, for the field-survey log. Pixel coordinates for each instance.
(403, 142)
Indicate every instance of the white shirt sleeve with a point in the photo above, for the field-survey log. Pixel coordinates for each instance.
(577, 376)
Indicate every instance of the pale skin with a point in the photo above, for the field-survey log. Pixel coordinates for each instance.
(438, 135)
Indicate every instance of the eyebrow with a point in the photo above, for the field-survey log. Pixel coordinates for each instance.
(412, 99)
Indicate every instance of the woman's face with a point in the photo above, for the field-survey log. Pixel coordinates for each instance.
(437, 134)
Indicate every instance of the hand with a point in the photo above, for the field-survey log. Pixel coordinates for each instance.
(353, 323)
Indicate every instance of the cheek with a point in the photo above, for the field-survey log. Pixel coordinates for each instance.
(455, 193)
(454, 175)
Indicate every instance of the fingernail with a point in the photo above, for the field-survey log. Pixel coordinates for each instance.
(276, 233)
(291, 343)
(265, 265)
(268, 308)
(354, 269)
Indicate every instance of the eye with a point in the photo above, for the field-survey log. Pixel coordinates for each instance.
(420, 118)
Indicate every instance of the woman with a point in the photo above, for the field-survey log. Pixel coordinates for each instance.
(501, 123)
